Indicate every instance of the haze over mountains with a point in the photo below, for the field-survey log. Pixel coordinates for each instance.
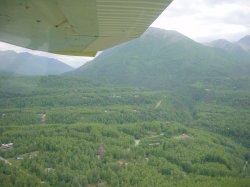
(28, 64)
(159, 59)
(163, 59)
(241, 47)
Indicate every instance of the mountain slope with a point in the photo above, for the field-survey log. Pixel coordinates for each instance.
(230, 47)
(162, 59)
(240, 48)
(28, 64)
(245, 43)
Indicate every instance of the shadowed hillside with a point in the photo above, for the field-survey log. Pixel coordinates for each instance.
(28, 64)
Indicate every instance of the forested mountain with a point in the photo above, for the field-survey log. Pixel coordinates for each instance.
(28, 64)
(163, 59)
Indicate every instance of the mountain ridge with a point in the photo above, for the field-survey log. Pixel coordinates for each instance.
(29, 64)
(244, 43)
(242, 46)
(162, 59)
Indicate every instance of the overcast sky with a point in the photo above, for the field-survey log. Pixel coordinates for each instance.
(206, 20)
(201, 20)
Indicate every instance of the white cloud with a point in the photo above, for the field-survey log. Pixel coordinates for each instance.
(204, 20)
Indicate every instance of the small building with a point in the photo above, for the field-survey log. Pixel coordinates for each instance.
(168, 122)
(156, 143)
(101, 184)
(116, 96)
(19, 157)
(48, 170)
(207, 89)
(7, 146)
(100, 151)
(42, 116)
(183, 136)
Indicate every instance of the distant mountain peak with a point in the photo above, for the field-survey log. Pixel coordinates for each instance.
(244, 43)
(28, 64)
(245, 39)
(221, 41)
(163, 34)
(242, 47)
(159, 31)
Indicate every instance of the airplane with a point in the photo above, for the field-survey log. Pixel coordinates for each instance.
(75, 27)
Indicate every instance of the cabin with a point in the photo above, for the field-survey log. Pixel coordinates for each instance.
(168, 122)
(42, 116)
(156, 143)
(116, 96)
(6, 146)
(183, 136)
(123, 162)
(48, 170)
(207, 89)
(100, 152)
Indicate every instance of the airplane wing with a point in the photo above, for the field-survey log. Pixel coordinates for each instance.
(75, 27)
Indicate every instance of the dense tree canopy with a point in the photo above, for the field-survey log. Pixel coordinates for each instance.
(74, 132)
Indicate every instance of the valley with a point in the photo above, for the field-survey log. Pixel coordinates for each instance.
(161, 110)
(70, 131)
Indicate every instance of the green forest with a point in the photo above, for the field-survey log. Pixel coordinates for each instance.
(70, 131)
